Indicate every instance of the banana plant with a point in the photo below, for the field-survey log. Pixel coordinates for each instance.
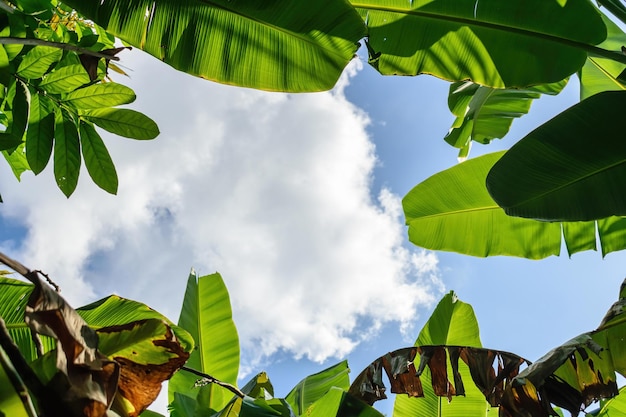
(453, 211)
(107, 358)
(283, 45)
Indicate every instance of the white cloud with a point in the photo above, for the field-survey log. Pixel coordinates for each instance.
(272, 190)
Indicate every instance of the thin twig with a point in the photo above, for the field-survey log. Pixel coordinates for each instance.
(32, 276)
(60, 45)
(213, 380)
(19, 268)
(48, 280)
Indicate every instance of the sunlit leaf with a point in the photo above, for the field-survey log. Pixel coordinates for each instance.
(38, 60)
(452, 323)
(284, 45)
(338, 403)
(17, 161)
(601, 74)
(123, 122)
(485, 42)
(485, 113)
(65, 79)
(315, 386)
(97, 159)
(206, 314)
(100, 95)
(66, 153)
(40, 133)
(453, 211)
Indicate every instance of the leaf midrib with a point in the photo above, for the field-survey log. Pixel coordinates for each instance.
(567, 184)
(592, 49)
(332, 51)
(453, 212)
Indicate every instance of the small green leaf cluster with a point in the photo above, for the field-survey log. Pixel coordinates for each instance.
(54, 90)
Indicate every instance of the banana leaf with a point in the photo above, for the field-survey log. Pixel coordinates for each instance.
(206, 314)
(315, 386)
(494, 43)
(601, 74)
(572, 168)
(485, 113)
(278, 45)
(453, 211)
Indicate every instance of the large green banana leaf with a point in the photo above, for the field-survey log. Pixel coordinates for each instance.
(338, 403)
(315, 386)
(496, 43)
(453, 211)
(206, 314)
(485, 113)
(284, 45)
(572, 168)
(452, 323)
(601, 74)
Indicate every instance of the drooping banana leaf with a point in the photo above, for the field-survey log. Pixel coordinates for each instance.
(315, 386)
(206, 314)
(485, 113)
(452, 323)
(571, 168)
(578, 372)
(570, 376)
(283, 45)
(471, 380)
(601, 74)
(453, 211)
(499, 44)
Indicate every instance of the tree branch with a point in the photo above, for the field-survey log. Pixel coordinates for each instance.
(60, 45)
(212, 380)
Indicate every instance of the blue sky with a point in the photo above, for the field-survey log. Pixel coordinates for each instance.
(295, 200)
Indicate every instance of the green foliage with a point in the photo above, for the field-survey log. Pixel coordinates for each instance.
(554, 174)
(315, 386)
(452, 323)
(484, 42)
(54, 88)
(284, 45)
(464, 218)
(206, 314)
(485, 113)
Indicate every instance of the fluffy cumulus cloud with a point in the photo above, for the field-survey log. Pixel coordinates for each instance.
(272, 190)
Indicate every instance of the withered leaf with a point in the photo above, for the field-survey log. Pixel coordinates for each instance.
(369, 386)
(400, 367)
(86, 380)
(148, 353)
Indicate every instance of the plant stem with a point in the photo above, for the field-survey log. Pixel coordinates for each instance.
(213, 380)
(60, 45)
